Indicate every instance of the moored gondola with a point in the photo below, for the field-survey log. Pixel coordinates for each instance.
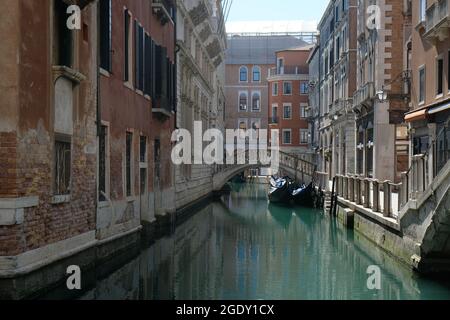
(304, 196)
(281, 193)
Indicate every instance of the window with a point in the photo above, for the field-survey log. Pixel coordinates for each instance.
(280, 66)
(128, 64)
(128, 163)
(274, 113)
(139, 56)
(287, 136)
(440, 76)
(105, 34)
(275, 89)
(422, 85)
(304, 136)
(287, 88)
(303, 111)
(256, 101)
(256, 74)
(243, 101)
(287, 111)
(102, 165)
(369, 146)
(157, 159)
(63, 159)
(149, 66)
(304, 88)
(360, 151)
(243, 74)
(242, 124)
(63, 36)
(422, 10)
(143, 165)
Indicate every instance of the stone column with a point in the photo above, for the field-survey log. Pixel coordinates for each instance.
(376, 196)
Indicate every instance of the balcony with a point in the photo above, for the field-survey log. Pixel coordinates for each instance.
(164, 11)
(438, 21)
(162, 108)
(364, 95)
(288, 70)
(274, 120)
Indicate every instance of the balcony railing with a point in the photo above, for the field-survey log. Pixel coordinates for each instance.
(437, 20)
(288, 70)
(364, 94)
(164, 10)
(274, 120)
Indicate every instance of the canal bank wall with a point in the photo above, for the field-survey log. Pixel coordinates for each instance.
(103, 256)
(383, 232)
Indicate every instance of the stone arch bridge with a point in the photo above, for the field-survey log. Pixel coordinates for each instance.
(293, 166)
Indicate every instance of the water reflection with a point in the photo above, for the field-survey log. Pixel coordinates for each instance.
(244, 248)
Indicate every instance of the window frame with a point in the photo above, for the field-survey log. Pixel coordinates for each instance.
(304, 131)
(241, 68)
(107, 164)
(306, 85)
(422, 88)
(258, 93)
(67, 140)
(239, 101)
(303, 110)
(285, 106)
(259, 72)
(290, 136)
(129, 192)
(275, 93)
(284, 91)
(439, 58)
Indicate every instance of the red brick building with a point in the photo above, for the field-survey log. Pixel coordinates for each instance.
(288, 99)
(47, 134)
(137, 105)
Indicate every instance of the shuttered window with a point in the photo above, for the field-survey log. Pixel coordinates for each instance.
(126, 45)
(149, 64)
(105, 35)
(139, 49)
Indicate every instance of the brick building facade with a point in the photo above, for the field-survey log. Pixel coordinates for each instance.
(47, 134)
(137, 105)
(288, 87)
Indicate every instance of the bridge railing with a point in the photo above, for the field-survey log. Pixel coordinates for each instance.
(300, 166)
(379, 196)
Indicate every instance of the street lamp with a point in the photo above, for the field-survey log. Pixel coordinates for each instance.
(382, 95)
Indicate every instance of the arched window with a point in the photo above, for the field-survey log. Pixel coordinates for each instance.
(256, 74)
(256, 101)
(243, 101)
(243, 74)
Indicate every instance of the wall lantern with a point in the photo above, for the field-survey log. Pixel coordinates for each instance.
(382, 95)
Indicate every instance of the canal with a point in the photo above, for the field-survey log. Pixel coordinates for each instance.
(244, 248)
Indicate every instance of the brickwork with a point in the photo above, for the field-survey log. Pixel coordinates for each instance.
(27, 155)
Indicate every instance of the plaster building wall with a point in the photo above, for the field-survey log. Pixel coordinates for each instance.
(201, 42)
(337, 84)
(430, 105)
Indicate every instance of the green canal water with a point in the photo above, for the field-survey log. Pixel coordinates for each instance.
(244, 248)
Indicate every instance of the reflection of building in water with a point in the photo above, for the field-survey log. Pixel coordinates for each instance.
(245, 249)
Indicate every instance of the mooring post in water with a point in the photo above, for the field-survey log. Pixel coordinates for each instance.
(332, 196)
